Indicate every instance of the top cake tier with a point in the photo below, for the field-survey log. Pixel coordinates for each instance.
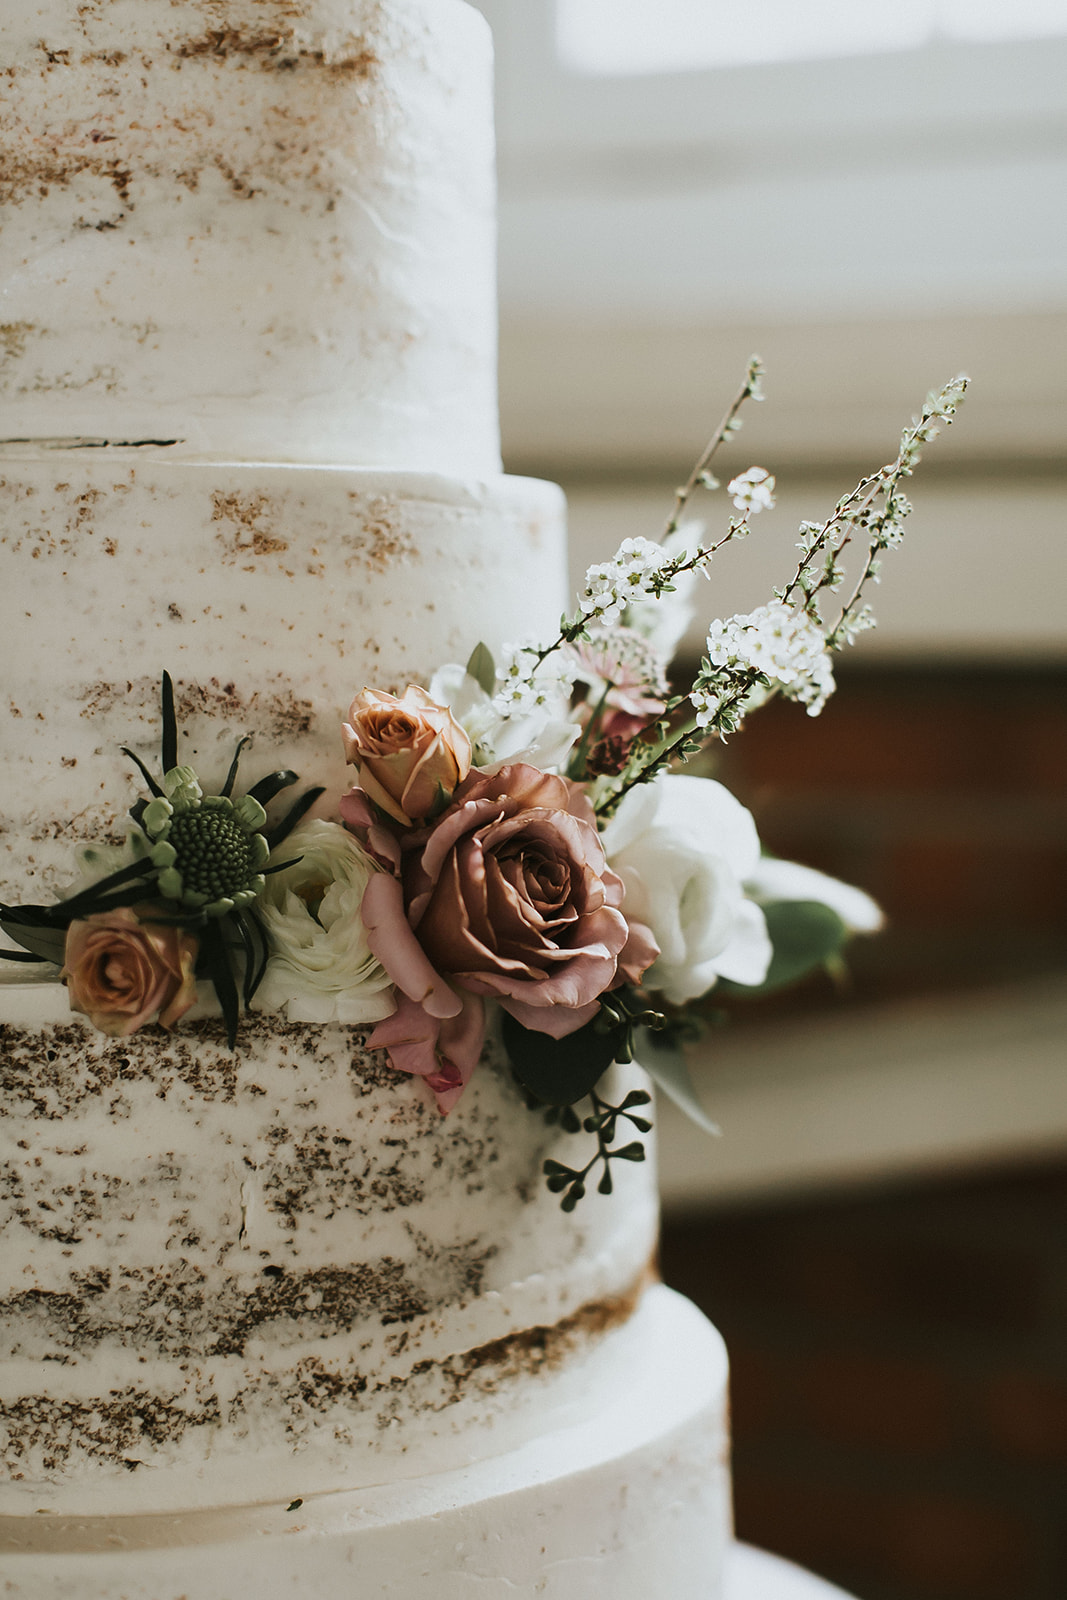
(262, 228)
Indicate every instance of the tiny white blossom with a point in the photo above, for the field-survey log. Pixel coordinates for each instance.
(663, 619)
(529, 685)
(705, 703)
(630, 576)
(753, 491)
(782, 644)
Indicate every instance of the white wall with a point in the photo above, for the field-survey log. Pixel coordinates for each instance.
(870, 227)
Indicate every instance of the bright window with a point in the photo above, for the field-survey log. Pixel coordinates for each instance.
(628, 37)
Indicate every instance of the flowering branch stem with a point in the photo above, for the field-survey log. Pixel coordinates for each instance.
(679, 742)
(848, 510)
(854, 511)
(749, 390)
(939, 408)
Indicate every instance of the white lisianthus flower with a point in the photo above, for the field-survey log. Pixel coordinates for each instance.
(684, 848)
(543, 735)
(321, 968)
(788, 880)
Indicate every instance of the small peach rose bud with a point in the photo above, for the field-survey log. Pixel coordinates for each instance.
(410, 753)
(120, 972)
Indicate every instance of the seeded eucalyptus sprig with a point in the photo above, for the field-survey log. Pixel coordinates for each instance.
(602, 1121)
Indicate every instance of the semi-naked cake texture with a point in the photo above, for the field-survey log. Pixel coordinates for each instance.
(268, 1322)
(260, 228)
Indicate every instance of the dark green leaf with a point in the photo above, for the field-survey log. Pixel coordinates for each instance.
(216, 962)
(253, 951)
(44, 944)
(145, 774)
(296, 812)
(27, 916)
(804, 934)
(100, 895)
(667, 1067)
(231, 776)
(169, 744)
(482, 668)
(265, 790)
(560, 1071)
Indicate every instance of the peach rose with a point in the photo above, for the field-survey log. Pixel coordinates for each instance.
(120, 972)
(410, 753)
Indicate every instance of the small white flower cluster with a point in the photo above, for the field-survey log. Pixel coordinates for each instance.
(753, 491)
(783, 645)
(529, 685)
(631, 575)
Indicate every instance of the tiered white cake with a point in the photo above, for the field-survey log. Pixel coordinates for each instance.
(268, 1323)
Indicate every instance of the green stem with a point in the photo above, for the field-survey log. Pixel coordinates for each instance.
(681, 498)
(576, 765)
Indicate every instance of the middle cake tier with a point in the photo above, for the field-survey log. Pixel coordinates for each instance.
(271, 594)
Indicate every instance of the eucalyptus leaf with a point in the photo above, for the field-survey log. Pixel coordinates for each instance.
(482, 668)
(668, 1069)
(560, 1072)
(44, 944)
(804, 934)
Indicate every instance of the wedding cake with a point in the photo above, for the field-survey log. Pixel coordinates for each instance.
(269, 1323)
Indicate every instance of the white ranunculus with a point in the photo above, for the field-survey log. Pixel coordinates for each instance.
(684, 848)
(321, 968)
(543, 737)
(788, 880)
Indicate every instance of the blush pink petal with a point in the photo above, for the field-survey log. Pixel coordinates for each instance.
(356, 810)
(638, 953)
(444, 1052)
(392, 940)
(360, 818)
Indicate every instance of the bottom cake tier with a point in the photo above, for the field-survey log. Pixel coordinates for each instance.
(633, 1501)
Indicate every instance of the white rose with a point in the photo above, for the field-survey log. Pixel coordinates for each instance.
(684, 848)
(321, 968)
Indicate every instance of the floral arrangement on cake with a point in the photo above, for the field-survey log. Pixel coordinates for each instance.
(518, 843)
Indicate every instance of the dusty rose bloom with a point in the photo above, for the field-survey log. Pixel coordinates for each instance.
(508, 895)
(410, 753)
(120, 972)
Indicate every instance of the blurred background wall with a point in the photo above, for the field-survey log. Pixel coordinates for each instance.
(873, 198)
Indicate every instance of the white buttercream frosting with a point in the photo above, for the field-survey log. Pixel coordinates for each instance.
(271, 594)
(242, 1287)
(234, 1261)
(628, 1498)
(262, 228)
